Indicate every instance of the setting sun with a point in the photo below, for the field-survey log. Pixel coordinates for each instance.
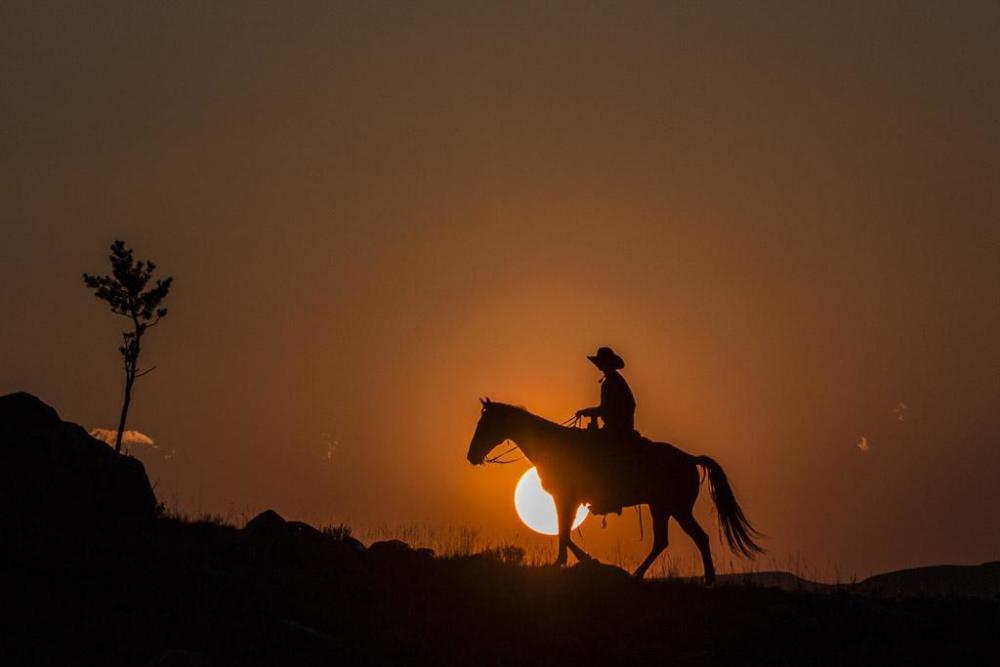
(536, 508)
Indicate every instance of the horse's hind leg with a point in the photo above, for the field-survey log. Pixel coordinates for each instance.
(661, 520)
(580, 554)
(692, 528)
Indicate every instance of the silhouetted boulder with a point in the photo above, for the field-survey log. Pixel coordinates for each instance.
(595, 573)
(267, 524)
(58, 480)
(279, 540)
(389, 546)
(397, 549)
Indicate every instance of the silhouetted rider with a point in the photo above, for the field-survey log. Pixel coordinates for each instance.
(617, 408)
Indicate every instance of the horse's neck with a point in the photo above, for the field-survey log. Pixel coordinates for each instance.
(532, 434)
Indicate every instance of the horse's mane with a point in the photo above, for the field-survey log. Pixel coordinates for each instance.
(513, 407)
(523, 410)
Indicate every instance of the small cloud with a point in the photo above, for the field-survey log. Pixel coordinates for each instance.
(900, 411)
(864, 445)
(129, 438)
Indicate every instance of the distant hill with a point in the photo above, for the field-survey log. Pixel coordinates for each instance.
(974, 581)
(977, 581)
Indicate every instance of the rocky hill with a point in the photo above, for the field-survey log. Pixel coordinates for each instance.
(91, 575)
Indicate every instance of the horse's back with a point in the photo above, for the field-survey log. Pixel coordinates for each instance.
(599, 444)
(664, 452)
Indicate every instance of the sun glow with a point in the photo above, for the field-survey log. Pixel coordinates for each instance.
(536, 508)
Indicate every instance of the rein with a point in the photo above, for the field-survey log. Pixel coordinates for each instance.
(572, 422)
(496, 459)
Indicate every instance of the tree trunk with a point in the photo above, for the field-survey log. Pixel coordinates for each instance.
(131, 365)
(125, 404)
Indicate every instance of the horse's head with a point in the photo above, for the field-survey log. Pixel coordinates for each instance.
(490, 431)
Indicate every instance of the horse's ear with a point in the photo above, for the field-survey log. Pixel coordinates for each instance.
(483, 401)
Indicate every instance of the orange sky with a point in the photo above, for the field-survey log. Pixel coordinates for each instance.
(784, 218)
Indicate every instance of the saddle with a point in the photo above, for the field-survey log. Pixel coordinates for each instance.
(615, 460)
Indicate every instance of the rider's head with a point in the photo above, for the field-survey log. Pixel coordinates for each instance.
(607, 360)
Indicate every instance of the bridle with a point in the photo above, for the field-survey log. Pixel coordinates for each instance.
(496, 459)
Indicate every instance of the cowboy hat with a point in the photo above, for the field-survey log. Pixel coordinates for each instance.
(606, 358)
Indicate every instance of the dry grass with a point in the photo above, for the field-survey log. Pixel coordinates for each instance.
(451, 541)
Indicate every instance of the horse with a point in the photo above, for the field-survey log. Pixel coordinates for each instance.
(572, 468)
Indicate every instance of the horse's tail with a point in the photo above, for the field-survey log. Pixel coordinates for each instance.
(736, 528)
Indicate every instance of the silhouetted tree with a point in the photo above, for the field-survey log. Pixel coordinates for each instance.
(125, 291)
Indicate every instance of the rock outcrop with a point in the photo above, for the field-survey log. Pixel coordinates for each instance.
(55, 479)
(276, 540)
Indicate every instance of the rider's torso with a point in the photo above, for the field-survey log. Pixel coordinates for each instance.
(617, 404)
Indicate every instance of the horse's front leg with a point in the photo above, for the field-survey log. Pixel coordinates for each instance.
(565, 525)
(566, 511)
